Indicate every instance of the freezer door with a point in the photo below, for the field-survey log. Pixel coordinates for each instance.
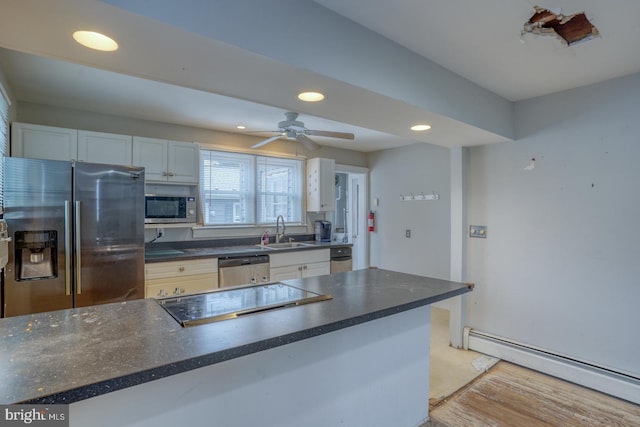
(37, 202)
(108, 233)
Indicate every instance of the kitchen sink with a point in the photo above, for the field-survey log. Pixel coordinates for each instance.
(287, 245)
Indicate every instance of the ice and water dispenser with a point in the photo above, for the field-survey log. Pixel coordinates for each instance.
(36, 254)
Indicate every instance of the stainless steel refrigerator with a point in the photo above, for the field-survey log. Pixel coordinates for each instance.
(77, 234)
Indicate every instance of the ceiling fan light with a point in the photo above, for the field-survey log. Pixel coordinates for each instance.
(241, 127)
(420, 128)
(310, 96)
(96, 41)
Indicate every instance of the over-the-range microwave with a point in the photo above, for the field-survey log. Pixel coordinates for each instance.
(169, 209)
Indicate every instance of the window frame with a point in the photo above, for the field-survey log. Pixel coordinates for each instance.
(258, 162)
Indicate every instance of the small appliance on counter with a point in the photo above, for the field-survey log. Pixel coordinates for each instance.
(323, 231)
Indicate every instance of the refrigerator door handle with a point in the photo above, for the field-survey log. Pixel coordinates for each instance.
(78, 253)
(67, 247)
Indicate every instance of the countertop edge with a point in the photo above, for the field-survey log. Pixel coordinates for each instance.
(118, 383)
(240, 250)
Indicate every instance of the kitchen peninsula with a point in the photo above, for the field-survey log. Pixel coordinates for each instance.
(361, 358)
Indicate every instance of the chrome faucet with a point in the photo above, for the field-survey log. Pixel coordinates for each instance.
(278, 234)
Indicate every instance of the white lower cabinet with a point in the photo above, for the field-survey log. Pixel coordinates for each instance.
(174, 278)
(296, 265)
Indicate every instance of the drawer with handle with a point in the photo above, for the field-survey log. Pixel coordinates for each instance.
(183, 285)
(181, 268)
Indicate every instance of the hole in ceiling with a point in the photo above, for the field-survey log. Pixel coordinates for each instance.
(569, 28)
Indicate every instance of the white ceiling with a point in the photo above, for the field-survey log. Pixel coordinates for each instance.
(480, 40)
(166, 72)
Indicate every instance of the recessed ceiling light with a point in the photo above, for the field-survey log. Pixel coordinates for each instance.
(241, 127)
(420, 128)
(96, 41)
(310, 96)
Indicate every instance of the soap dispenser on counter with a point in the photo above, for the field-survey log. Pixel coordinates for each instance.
(264, 240)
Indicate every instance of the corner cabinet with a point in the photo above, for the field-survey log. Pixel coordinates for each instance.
(320, 185)
(174, 278)
(296, 265)
(167, 161)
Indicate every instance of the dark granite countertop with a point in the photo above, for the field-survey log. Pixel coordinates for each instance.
(70, 355)
(185, 250)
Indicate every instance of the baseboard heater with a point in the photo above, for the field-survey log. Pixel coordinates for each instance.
(622, 385)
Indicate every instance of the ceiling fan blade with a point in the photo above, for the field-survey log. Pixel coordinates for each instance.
(302, 139)
(342, 135)
(266, 141)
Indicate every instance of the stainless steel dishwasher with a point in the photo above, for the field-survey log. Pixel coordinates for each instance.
(341, 259)
(243, 270)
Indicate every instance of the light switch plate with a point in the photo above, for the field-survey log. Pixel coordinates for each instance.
(478, 231)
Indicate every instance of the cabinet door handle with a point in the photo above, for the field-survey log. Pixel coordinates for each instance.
(171, 174)
(299, 268)
(304, 267)
(181, 269)
(164, 173)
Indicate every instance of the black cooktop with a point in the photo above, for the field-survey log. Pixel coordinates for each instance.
(230, 303)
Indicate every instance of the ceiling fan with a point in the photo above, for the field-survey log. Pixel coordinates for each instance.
(293, 129)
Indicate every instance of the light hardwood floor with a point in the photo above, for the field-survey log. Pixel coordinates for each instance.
(510, 395)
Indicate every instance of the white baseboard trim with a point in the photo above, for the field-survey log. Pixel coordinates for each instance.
(604, 380)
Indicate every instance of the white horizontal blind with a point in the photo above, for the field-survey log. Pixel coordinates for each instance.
(226, 183)
(4, 141)
(243, 189)
(279, 189)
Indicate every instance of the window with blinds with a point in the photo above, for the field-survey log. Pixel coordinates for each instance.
(244, 189)
(4, 140)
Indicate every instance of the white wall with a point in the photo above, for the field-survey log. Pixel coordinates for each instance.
(560, 267)
(413, 169)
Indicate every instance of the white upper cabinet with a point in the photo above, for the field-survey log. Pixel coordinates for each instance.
(320, 185)
(43, 142)
(152, 154)
(167, 161)
(53, 143)
(184, 162)
(99, 147)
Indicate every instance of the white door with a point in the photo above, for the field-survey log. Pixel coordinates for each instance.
(357, 219)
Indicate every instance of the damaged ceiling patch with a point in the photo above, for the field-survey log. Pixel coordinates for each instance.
(569, 28)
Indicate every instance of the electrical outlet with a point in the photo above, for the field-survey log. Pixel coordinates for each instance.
(478, 231)
(407, 233)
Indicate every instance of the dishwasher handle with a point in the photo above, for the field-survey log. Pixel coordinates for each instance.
(235, 261)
